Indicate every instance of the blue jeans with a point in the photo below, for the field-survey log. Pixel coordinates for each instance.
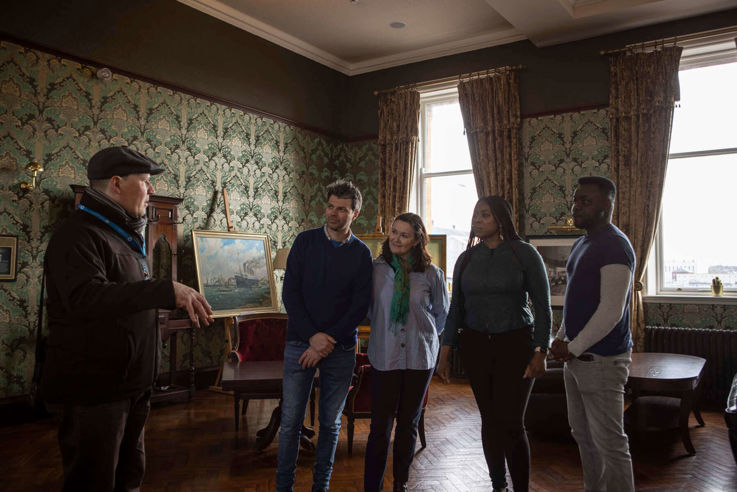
(595, 393)
(336, 371)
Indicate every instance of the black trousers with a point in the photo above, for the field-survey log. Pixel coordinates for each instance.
(399, 392)
(495, 365)
(102, 445)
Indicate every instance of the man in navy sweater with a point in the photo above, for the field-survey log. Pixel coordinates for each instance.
(327, 290)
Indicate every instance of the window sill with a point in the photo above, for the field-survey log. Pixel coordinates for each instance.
(730, 299)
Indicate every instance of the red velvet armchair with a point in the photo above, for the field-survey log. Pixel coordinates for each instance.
(260, 337)
(358, 403)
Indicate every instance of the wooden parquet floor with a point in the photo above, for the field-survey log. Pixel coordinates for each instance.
(191, 447)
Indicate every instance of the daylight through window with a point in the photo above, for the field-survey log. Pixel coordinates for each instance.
(445, 193)
(697, 233)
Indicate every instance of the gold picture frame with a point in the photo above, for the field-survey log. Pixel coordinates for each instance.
(436, 247)
(8, 258)
(234, 272)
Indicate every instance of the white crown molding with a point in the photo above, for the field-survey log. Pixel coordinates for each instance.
(227, 14)
(590, 30)
(437, 51)
(256, 27)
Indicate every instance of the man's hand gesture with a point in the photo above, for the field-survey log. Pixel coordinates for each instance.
(195, 303)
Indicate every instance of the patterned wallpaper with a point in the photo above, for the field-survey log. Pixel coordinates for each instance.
(556, 151)
(56, 112)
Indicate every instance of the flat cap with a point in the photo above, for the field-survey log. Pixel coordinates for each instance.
(120, 161)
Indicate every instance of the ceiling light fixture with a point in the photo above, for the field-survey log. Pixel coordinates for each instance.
(397, 25)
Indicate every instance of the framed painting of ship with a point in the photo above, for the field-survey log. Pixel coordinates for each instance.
(234, 272)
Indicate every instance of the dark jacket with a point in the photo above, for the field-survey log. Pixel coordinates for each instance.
(103, 342)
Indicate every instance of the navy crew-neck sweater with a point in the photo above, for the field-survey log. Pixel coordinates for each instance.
(326, 288)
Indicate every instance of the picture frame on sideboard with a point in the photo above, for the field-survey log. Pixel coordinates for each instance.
(436, 247)
(555, 251)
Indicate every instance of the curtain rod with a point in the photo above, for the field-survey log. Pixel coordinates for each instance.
(732, 30)
(444, 80)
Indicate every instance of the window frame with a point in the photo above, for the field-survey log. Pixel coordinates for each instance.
(444, 94)
(441, 93)
(697, 53)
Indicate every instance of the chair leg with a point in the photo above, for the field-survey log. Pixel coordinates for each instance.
(236, 403)
(421, 429)
(245, 406)
(697, 414)
(350, 435)
(312, 407)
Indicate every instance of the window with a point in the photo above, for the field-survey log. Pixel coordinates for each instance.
(444, 191)
(697, 233)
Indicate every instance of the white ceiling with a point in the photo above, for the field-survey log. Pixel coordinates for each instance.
(354, 36)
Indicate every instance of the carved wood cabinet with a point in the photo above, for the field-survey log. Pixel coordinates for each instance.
(161, 252)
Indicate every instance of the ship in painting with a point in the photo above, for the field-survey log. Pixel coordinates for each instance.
(246, 278)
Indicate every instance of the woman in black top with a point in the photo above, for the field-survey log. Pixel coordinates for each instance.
(503, 347)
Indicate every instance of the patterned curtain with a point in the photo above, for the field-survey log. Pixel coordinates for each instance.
(642, 93)
(399, 114)
(490, 108)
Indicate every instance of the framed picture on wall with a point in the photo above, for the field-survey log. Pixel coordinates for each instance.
(234, 272)
(8, 257)
(555, 251)
(436, 247)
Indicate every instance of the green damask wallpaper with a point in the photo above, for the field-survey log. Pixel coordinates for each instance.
(556, 151)
(56, 112)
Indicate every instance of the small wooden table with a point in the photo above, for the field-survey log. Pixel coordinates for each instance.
(260, 379)
(671, 375)
(168, 328)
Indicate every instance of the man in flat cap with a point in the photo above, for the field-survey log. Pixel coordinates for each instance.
(102, 353)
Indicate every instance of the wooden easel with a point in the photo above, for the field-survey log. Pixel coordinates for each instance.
(229, 321)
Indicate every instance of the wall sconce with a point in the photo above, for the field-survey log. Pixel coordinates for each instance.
(104, 74)
(35, 168)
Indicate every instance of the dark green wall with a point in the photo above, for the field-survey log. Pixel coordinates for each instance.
(169, 42)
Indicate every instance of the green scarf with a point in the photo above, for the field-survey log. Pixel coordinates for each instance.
(400, 299)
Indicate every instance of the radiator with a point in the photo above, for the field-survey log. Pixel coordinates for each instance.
(718, 347)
